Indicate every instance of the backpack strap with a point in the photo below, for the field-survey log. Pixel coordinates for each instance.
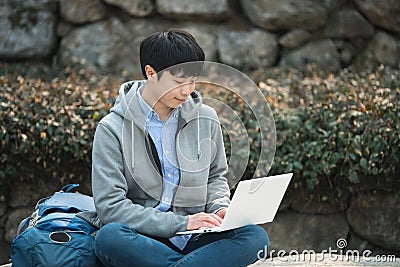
(69, 187)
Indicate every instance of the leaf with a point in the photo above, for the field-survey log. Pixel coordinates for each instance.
(351, 156)
(358, 152)
(363, 163)
(353, 177)
(289, 167)
(297, 165)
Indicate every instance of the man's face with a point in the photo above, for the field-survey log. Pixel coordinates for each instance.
(173, 90)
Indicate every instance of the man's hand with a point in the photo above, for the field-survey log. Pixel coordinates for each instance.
(206, 220)
(221, 213)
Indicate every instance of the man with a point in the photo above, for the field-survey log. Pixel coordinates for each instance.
(152, 174)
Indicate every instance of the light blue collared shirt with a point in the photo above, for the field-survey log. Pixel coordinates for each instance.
(163, 136)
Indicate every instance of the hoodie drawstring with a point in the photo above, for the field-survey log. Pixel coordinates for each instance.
(198, 136)
(133, 145)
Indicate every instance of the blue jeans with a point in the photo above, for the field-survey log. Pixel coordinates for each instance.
(119, 245)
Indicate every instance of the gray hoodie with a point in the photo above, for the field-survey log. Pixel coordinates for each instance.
(126, 182)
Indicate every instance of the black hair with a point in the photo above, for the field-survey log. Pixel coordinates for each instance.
(162, 50)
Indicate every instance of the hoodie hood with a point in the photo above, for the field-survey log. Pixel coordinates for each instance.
(128, 107)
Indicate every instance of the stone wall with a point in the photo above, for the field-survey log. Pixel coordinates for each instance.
(105, 34)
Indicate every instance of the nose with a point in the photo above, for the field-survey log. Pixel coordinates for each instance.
(187, 88)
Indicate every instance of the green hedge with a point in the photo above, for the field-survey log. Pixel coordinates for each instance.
(343, 135)
(339, 133)
(48, 123)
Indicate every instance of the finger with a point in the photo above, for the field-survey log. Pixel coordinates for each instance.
(214, 219)
(221, 213)
(215, 216)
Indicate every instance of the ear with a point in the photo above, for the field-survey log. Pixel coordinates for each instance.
(150, 72)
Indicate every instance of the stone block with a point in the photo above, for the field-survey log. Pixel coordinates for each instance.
(13, 220)
(137, 8)
(383, 13)
(285, 14)
(293, 231)
(27, 29)
(189, 9)
(323, 54)
(247, 48)
(82, 11)
(376, 219)
(348, 24)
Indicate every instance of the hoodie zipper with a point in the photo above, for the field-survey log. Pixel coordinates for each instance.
(179, 166)
(151, 144)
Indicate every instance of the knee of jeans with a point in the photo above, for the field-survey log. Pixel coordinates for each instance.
(257, 234)
(110, 233)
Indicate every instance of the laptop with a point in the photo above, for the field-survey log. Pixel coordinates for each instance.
(255, 201)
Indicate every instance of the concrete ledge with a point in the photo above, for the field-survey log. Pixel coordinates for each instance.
(318, 261)
(326, 260)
